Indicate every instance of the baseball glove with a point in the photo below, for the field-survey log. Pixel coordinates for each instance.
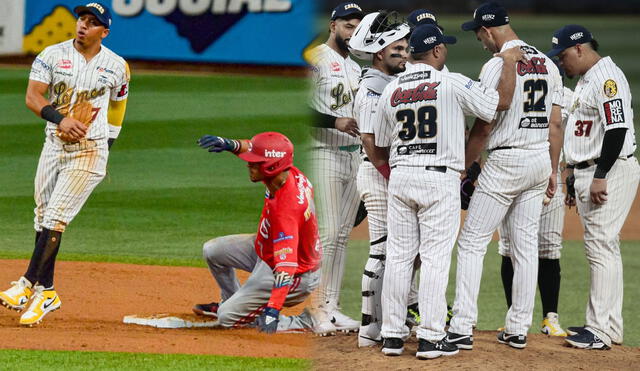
(466, 185)
(81, 111)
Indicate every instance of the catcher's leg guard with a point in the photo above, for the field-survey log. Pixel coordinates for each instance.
(372, 283)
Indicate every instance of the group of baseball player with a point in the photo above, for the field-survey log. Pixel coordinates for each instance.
(392, 136)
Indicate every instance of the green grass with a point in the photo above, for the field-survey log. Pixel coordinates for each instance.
(163, 196)
(62, 360)
(492, 306)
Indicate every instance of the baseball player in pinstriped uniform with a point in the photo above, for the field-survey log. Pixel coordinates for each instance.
(87, 87)
(419, 129)
(283, 256)
(335, 156)
(520, 166)
(384, 44)
(549, 246)
(599, 146)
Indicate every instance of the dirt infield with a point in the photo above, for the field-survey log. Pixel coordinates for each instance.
(542, 353)
(96, 296)
(573, 230)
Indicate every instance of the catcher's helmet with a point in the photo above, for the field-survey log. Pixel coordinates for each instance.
(375, 32)
(272, 150)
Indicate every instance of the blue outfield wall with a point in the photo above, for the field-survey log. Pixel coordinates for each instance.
(267, 32)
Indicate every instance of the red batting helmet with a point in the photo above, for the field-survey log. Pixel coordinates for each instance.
(272, 150)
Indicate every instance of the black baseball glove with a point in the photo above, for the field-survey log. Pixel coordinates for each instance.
(466, 185)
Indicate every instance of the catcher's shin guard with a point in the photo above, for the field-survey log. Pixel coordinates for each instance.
(372, 283)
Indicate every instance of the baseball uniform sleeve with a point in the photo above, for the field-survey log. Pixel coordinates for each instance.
(42, 67)
(285, 238)
(120, 91)
(475, 98)
(382, 123)
(490, 73)
(614, 102)
(366, 110)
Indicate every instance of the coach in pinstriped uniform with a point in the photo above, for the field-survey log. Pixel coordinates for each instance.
(524, 147)
(599, 147)
(420, 122)
(335, 156)
(87, 86)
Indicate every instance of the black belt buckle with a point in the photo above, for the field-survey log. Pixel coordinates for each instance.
(440, 169)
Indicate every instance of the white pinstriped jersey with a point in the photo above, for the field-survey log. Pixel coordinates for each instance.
(601, 101)
(72, 80)
(372, 84)
(335, 82)
(421, 116)
(538, 86)
(410, 65)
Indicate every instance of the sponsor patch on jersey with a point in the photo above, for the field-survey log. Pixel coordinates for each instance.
(65, 64)
(415, 76)
(124, 90)
(371, 93)
(469, 84)
(282, 237)
(102, 69)
(282, 253)
(42, 64)
(610, 88)
(282, 279)
(613, 112)
(335, 67)
(423, 92)
(534, 123)
(535, 65)
(418, 149)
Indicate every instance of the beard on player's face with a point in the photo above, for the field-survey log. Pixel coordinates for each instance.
(342, 43)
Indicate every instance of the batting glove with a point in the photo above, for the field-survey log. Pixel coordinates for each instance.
(268, 320)
(216, 144)
(466, 191)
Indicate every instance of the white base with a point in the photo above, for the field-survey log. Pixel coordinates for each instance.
(166, 321)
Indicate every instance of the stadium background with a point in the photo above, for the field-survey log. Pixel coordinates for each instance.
(164, 197)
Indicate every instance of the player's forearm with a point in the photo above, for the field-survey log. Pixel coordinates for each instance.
(380, 160)
(322, 120)
(555, 137)
(35, 99)
(507, 85)
(478, 137)
(283, 279)
(368, 144)
(611, 147)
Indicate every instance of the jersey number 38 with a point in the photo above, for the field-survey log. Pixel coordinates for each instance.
(421, 123)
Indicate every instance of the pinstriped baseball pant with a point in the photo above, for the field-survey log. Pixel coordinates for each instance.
(64, 181)
(423, 218)
(602, 225)
(336, 195)
(510, 186)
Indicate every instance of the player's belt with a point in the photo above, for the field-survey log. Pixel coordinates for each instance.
(82, 145)
(440, 169)
(585, 164)
(500, 148)
(351, 148)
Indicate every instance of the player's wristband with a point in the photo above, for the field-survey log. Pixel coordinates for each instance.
(51, 114)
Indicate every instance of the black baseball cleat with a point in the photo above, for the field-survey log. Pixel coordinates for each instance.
(392, 346)
(207, 310)
(514, 341)
(586, 340)
(461, 341)
(576, 330)
(429, 350)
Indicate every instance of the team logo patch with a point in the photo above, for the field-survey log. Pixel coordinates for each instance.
(282, 253)
(613, 112)
(610, 88)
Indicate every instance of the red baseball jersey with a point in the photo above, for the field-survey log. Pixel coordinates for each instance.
(287, 238)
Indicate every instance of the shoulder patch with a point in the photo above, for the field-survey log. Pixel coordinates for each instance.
(610, 88)
(613, 112)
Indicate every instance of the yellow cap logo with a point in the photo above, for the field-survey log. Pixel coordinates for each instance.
(610, 88)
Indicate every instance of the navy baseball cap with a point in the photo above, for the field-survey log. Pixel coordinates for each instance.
(101, 12)
(567, 37)
(347, 10)
(425, 37)
(421, 16)
(490, 14)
